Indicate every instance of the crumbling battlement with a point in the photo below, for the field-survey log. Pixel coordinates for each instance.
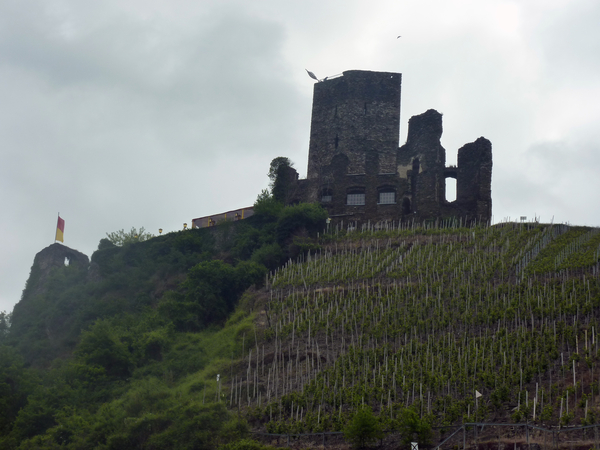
(52, 257)
(423, 159)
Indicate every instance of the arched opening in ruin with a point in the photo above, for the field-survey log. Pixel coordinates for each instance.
(416, 166)
(406, 206)
(450, 189)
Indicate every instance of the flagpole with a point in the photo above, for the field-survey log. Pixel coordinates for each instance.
(58, 217)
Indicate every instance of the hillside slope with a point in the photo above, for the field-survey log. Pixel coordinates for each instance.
(124, 352)
(409, 321)
(61, 300)
(421, 319)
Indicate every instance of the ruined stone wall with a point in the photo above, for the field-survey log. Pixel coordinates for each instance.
(52, 257)
(44, 264)
(473, 183)
(357, 171)
(55, 256)
(423, 159)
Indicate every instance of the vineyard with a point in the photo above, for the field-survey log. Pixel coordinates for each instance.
(426, 319)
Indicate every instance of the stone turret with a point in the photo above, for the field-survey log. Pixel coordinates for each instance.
(31, 313)
(49, 259)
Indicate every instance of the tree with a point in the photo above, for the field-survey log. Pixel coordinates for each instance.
(122, 237)
(306, 218)
(266, 208)
(269, 255)
(276, 165)
(364, 428)
(212, 285)
(101, 346)
(4, 324)
(209, 293)
(413, 428)
(281, 175)
(16, 383)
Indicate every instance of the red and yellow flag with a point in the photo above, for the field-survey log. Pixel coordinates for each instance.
(60, 230)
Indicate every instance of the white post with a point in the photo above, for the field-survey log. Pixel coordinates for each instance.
(561, 409)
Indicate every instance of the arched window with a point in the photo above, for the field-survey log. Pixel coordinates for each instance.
(386, 196)
(355, 197)
(326, 195)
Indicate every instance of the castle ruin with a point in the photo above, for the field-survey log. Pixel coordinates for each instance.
(358, 172)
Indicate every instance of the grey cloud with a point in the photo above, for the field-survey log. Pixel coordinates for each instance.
(123, 114)
(569, 39)
(121, 122)
(555, 179)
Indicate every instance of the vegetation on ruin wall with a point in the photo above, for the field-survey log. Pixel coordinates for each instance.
(418, 320)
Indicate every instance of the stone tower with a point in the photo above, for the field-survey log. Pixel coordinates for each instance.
(356, 115)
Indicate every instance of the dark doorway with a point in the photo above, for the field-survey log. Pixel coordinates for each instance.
(406, 206)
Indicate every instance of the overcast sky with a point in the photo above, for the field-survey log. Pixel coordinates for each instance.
(121, 114)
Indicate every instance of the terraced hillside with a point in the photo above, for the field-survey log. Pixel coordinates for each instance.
(165, 335)
(421, 319)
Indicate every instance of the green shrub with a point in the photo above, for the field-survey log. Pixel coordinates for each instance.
(246, 241)
(16, 382)
(266, 208)
(546, 414)
(101, 346)
(209, 293)
(269, 255)
(363, 429)
(413, 428)
(308, 218)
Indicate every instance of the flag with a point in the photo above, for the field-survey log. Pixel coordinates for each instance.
(478, 394)
(60, 230)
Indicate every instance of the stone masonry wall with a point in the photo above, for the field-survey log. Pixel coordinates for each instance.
(357, 115)
(354, 157)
